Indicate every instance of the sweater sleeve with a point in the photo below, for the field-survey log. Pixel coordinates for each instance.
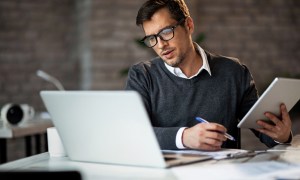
(140, 80)
(249, 98)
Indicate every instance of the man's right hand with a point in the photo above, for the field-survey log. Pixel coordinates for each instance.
(204, 136)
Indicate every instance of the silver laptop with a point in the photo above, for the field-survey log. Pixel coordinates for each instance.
(108, 127)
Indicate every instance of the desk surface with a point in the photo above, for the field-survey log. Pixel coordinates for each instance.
(263, 166)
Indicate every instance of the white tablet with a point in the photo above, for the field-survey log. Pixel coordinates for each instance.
(281, 90)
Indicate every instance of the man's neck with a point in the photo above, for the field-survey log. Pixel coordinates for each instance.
(192, 63)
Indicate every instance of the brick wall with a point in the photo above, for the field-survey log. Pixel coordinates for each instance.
(112, 39)
(262, 34)
(35, 35)
(86, 44)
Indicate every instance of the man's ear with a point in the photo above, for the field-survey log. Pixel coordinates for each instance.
(190, 25)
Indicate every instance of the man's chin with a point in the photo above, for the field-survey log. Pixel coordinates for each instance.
(171, 63)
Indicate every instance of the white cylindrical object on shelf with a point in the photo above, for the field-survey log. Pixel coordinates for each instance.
(55, 145)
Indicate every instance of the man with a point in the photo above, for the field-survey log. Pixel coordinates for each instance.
(185, 82)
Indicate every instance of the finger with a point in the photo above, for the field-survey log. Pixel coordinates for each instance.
(285, 115)
(274, 119)
(205, 144)
(272, 134)
(213, 142)
(267, 126)
(216, 127)
(215, 137)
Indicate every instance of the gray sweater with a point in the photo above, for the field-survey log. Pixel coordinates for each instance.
(173, 102)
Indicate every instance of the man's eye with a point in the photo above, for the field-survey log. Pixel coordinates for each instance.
(151, 39)
(166, 31)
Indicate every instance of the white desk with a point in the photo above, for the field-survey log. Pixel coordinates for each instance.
(262, 166)
(34, 127)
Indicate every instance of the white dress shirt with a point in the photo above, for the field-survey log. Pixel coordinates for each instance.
(177, 72)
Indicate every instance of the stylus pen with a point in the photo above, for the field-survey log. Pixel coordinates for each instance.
(228, 136)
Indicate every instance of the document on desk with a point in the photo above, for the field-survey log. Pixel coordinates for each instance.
(217, 155)
(267, 170)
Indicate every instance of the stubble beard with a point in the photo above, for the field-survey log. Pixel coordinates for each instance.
(176, 62)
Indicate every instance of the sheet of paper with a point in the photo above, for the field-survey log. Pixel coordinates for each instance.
(221, 154)
(259, 170)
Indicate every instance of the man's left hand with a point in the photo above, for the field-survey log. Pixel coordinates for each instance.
(281, 130)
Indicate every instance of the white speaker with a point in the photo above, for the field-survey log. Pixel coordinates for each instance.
(15, 114)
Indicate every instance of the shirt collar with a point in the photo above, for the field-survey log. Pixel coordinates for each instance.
(177, 71)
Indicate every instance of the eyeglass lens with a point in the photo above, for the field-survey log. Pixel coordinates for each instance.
(165, 34)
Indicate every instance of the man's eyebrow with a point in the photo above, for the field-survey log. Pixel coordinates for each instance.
(169, 26)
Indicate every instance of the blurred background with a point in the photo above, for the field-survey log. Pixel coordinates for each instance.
(89, 44)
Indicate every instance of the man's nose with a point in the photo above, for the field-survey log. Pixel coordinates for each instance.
(161, 43)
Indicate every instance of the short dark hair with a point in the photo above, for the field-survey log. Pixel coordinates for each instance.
(177, 8)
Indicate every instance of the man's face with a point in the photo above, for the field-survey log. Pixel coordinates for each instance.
(173, 52)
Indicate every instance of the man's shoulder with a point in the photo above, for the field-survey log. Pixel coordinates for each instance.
(223, 63)
(221, 59)
(148, 64)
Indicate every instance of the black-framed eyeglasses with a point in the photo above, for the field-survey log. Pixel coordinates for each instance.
(165, 34)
